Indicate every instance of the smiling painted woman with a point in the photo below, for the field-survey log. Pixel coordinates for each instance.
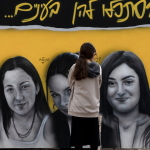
(125, 102)
(123, 91)
(26, 116)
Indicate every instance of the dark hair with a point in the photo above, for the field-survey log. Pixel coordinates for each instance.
(108, 65)
(87, 51)
(41, 105)
(61, 65)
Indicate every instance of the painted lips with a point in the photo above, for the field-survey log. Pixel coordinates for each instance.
(121, 99)
(21, 105)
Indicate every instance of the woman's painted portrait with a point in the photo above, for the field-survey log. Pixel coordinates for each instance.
(58, 87)
(26, 119)
(125, 102)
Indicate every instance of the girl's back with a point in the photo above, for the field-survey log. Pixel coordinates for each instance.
(85, 80)
(85, 92)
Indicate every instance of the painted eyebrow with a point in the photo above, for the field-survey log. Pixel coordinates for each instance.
(111, 78)
(7, 86)
(23, 82)
(65, 90)
(128, 77)
(20, 84)
(122, 78)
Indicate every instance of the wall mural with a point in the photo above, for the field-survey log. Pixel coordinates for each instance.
(40, 41)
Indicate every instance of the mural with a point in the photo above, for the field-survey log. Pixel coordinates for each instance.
(34, 67)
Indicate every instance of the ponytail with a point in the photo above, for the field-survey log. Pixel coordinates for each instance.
(87, 51)
(80, 71)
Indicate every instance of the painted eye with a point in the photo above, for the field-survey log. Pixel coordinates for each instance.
(129, 82)
(10, 90)
(54, 95)
(25, 87)
(68, 91)
(111, 83)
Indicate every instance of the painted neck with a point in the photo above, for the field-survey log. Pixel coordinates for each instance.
(26, 117)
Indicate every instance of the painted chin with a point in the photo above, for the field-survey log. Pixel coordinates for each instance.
(124, 107)
(21, 107)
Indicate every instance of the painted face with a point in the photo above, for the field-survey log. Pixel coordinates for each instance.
(123, 91)
(60, 92)
(20, 91)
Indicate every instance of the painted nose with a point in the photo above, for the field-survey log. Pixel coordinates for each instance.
(63, 101)
(121, 90)
(19, 96)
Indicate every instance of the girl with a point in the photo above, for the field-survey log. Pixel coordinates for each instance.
(85, 80)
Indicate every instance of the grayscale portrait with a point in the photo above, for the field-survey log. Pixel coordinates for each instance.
(57, 85)
(125, 102)
(26, 120)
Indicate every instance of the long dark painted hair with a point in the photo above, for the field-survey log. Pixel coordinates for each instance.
(133, 61)
(87, 51)
(41, 105)
(61, 65)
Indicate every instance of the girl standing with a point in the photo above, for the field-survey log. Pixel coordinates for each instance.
(85, 80)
